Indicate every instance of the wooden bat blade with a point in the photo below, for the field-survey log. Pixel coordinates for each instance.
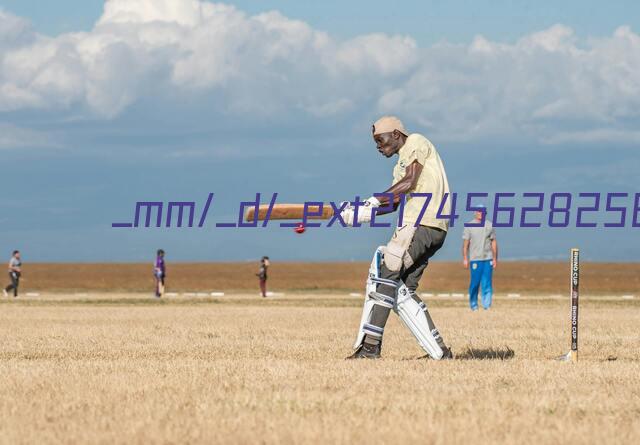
(289, 211)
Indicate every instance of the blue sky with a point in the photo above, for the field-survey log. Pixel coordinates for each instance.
(426, 21)
(170, 100)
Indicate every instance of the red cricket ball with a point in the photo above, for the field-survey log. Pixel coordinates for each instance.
(300, 228)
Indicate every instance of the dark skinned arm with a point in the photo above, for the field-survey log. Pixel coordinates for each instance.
(402, 187)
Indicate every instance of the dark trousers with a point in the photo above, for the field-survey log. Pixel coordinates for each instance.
(263, 287)
(15, 282)
(425, 243)
(159, 285)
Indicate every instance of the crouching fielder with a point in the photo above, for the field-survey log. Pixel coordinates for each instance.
(397, 267)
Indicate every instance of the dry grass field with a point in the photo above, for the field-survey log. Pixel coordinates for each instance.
(522, 277)
(124, 368)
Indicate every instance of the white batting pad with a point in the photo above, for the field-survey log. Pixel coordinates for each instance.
(371, 297)
(414, 318)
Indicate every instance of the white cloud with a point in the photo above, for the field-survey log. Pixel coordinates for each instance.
(257, 64)
(549, 86)
(379, 53)
(183, 12)
(544, 85)
(14, 30)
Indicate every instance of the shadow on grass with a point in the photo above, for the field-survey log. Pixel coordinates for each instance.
(505, 353)
(502, 353)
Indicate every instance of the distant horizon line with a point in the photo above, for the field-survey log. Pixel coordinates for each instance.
(256, 260)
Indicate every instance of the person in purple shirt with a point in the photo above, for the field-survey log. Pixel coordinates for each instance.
(159, 272)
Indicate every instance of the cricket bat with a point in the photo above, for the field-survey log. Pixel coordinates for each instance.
(290, 211)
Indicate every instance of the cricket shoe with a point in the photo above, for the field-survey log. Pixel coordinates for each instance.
(447, 353)
(366, 351)
(4, 292)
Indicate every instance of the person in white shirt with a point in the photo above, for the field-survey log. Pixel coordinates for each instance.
(15, 270)
(480, 254)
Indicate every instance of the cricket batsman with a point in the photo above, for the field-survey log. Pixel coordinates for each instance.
(397, 267)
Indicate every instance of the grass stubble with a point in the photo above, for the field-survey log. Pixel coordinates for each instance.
(253, 371)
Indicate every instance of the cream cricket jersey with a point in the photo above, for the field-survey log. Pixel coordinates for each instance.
(433, 179)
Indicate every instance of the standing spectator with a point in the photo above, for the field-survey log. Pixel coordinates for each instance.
(160, 272)
(480, 250)
(262, 275)
(15, 270)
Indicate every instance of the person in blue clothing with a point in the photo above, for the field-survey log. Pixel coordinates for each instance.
(480, 255)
